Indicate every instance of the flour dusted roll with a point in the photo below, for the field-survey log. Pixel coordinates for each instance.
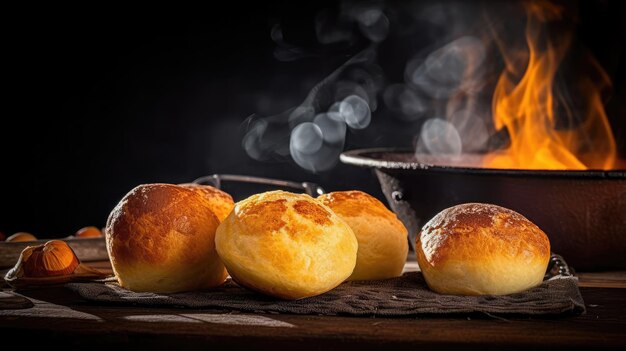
(221, 203)
(286, 245)
(475, 249)
(383, 242)
(161, 238)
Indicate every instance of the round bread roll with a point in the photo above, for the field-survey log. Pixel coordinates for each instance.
(383, 242)
(286, 245)
(221, 203)
(476, 249)
(161, 238)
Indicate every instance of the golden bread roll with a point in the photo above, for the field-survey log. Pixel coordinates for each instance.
(221, 203)
(161, 238)
(476, 249)
(286, 245)
(383, 242)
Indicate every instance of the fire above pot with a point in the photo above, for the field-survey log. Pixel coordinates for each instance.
(582, 212)
(555, 162)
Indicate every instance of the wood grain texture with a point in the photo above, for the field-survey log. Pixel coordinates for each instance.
(59, 316)
(615, 279)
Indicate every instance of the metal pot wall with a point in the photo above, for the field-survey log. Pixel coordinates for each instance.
(582, 212)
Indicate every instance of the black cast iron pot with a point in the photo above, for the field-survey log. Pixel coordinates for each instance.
(582, 212)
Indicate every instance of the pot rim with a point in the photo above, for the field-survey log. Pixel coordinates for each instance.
(363, 158)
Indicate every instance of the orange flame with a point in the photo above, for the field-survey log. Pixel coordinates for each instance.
(527, 107)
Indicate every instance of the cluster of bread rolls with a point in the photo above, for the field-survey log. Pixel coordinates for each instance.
(173, 238)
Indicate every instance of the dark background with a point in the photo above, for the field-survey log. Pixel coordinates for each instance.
(102, 100)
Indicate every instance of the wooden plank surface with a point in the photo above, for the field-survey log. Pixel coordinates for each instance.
(60, 316)
(615, 279)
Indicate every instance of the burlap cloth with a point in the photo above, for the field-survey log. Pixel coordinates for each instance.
(407, 295)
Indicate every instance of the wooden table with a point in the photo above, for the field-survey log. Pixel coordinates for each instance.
(61, 317)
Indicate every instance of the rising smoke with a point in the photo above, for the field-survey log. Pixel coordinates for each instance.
(449, 55)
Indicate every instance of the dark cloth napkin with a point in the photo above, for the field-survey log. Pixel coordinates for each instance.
(407, 295)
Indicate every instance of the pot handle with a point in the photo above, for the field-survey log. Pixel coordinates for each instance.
(216, 180)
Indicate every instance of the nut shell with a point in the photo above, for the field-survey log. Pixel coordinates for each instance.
(21, 236)
(88, 232)
(53, 258)
(51, 263)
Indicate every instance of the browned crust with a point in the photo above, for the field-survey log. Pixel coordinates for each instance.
(354, 203)
(209, 191)
(312, 211)
(264, 216)
(297, 214)
(286, 245)
(474, 230)
(221, 203)
(153, 217)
